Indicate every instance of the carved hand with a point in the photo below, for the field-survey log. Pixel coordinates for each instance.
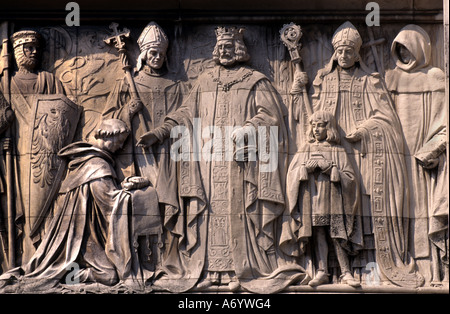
(147, 140)
(431, 163)
(132, 183)
(354, 137)
(242, 134)
(134, 106)
(300, 80)
(324, 164)
(311, 165)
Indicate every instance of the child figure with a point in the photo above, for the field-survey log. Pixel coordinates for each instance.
(323, 200)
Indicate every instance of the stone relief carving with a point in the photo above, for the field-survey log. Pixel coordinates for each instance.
(231, 206)
(418, 91)
(85, 70)
(370, 132)
(223, 158)
(143, 100)
(323, 201)
(91, 221)
(43, 112)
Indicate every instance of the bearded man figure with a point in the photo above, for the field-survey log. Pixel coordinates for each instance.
(31, 88)
(226, 231)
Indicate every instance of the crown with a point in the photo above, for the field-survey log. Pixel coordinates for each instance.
(23, 37)
(229, 32)
(152, 35)
(347, 35)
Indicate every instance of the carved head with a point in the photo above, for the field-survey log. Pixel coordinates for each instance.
(230, 47)
(153, 44)
(323, 127)
(346, 43)
(111, 135)
(403, 54)
(411, 48)
(26, 45)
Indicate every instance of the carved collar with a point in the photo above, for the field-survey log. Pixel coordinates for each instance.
(347, 73)
(227, 77)
(154, 72)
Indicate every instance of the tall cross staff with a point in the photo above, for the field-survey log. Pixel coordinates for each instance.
(145, 160)
(372, 44)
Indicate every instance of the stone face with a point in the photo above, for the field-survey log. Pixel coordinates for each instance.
(230, 152)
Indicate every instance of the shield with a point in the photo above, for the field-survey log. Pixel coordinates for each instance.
(55, 122)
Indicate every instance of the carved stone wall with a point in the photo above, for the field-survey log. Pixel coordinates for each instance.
(90, 70)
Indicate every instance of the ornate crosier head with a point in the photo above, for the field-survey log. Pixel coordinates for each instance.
(230, 47)
(26, 45)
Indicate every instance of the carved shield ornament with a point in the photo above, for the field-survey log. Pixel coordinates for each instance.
(55, 122)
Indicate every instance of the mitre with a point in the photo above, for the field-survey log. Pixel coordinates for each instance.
(152, 35)
(347, 35)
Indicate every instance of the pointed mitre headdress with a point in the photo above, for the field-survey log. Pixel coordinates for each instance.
(152, 35)
(347, 35)
(232, 32)
(23, 37)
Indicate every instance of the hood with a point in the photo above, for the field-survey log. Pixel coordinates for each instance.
(79, 152)
(417, 41)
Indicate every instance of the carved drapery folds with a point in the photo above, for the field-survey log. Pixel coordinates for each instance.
(251, 162)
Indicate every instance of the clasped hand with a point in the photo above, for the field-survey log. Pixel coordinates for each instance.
(312, 164)
(431, 163)
(134, 182)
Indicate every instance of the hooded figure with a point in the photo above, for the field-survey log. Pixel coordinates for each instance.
(370, 132)
(93, 226)
(418, 91)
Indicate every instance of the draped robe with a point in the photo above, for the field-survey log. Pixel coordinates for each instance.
(160, 95)
(360, 101)
(319, 199)
(91, 227)
(230, 210)
(418, 90)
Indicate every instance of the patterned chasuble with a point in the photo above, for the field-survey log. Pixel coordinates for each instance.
(224, 112)
(361, 101)
(219, 252)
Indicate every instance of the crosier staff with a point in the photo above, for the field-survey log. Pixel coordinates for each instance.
(290, 36)
(145, 160)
